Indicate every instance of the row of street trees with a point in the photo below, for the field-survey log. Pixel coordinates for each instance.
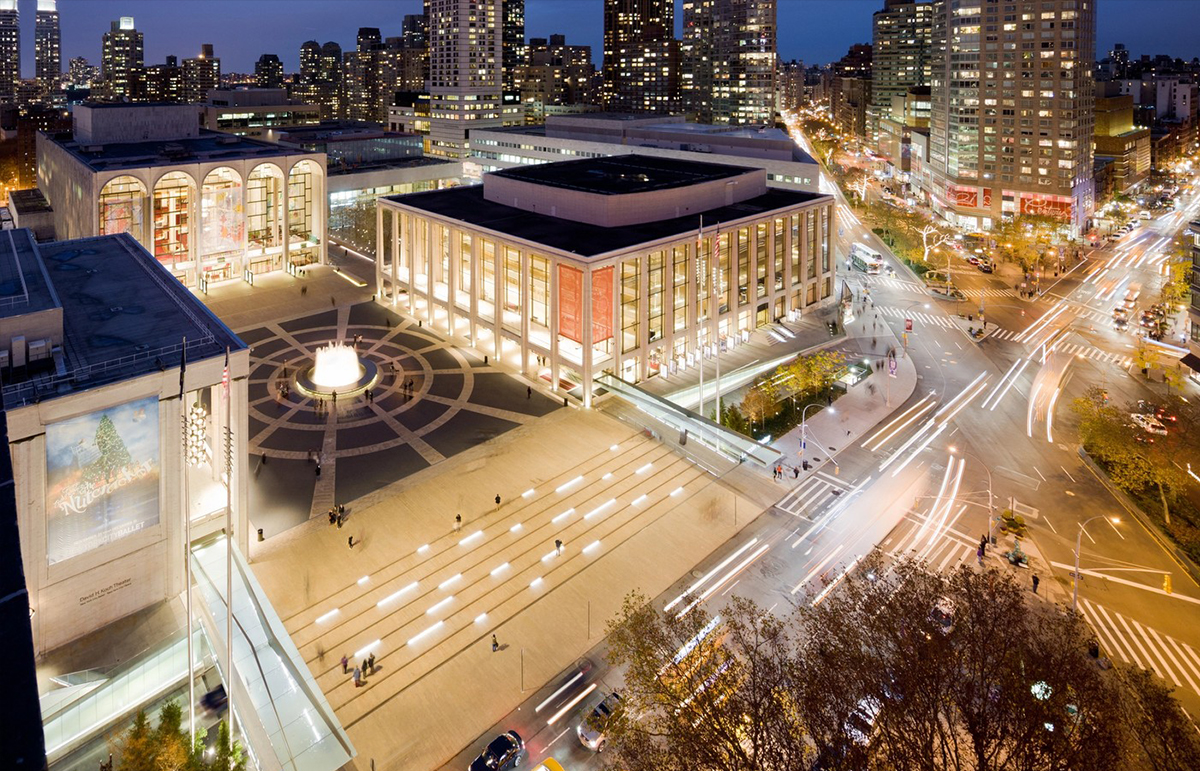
(895, 668)
(166, 747)
(778, 392)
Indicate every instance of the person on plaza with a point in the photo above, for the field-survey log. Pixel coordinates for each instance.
(495, 644)
(364, 669)
(1036, 581)
(528, 392)
(332, 516)
(340, 520)
(497, 500)
(345, 665)
(350, 542)
(357, 677)
(558, 547)
(371, 663)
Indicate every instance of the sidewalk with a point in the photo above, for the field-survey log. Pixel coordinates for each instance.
(278, 297)
(857, 412)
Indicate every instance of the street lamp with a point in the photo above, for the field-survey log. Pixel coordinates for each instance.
(804, 427)
(1078, 546)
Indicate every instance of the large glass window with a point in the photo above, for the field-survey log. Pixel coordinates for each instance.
(811, 217)
(794, 224)
(656, 293)
(539, 290)
(222, 223)
(302, 219)
(488, 267)
(761, 260)
(464, 263)
(121, 205)
(173, 197)
(724, 281)
(264, 204)
(743, 265)
(777, 246)
(679, 289)
(825, 239)
(629, 305)
(512, 279)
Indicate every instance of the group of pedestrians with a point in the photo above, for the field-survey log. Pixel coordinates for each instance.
(779, 471)
(337, 515)
(360, 671)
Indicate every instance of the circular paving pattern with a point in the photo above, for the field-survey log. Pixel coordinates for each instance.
(430, 400)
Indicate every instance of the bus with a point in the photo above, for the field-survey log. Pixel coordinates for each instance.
(866, 259)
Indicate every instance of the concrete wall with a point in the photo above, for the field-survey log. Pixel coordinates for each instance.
(82, 594)
(626, 209)
(108, 124)
(69, 186)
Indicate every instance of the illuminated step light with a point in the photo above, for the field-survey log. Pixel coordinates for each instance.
(515, 528)
(562, 516)
(535, 583)
(363, 651)
(423, 549)
(326, 616)
(645, 468)
(606, 477)
(396, 594)
(614, 447)
(499, 569)
(481, 618)
(363, 580)
(638, 501)
(591, 547)
(450, 580)
(676, 491)
(600, 508)
(471, 537)
(568, 485)
(426, 633)
(435, 607)
(549, 555)
(528, 493)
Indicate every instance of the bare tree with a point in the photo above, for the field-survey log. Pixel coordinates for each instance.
(932, 237)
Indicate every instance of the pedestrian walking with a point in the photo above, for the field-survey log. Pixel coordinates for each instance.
(364, 669)
(457, 522)
(332, 516)
(1036, 581)
(497, 500)
(357, 677)
(528, 392)
(371, 663)
(264, 459)
(341, 508)
(318, 469)
(350, 542)
(795, 472)
(558, 547)
(304, 290)
(339, 521)
(979, 554)
(495, 644)
(345, 665)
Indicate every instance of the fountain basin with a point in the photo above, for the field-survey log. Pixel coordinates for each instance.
(337, 369)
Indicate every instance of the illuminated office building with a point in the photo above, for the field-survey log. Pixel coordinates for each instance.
(10, 50)
(465, 66)
(728, 61)
(47, 47)
(641, 56)
(122, 61)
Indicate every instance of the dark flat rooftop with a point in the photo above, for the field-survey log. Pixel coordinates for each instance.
(124, 316)
(29, 201)
(209, 146)
(468, 205)
(24, 285)
(622, 174)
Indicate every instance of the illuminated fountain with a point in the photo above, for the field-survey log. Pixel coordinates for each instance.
(336, 367)
(337, 370)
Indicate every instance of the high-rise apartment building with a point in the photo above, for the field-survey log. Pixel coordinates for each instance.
(902, 32)
(268, 71)
(201, 74)
(513, 39)
(789, 85)
(641, 56)
(850, 89)
(1011, 120)
(10, 51)
(164, 82)
(465, 60)
(81, 73)
(556, 74)
(122, 60)
(728, 55)
(47, 47)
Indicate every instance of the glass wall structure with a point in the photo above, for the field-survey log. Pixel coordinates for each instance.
(352, 212)
(174, 204)
(264, 218)
(121, 207)
(222, 224)
(303, 237)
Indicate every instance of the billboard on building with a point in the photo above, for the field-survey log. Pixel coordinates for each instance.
(102, 473)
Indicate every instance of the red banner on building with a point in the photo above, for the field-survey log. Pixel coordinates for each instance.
(602, 304)
(570, 303)
(960, 195)
(1046, 205)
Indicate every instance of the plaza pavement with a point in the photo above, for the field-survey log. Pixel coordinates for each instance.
(632, 514)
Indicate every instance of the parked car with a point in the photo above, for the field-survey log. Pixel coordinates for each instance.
(592, 729)
(505, 752)
(1157, 410)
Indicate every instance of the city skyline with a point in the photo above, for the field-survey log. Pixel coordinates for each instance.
(829, 27)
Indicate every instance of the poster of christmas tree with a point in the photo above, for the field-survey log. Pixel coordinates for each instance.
(102, 477)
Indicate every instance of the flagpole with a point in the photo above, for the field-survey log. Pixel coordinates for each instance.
(228, 544)
(187, 544)
(700, 262)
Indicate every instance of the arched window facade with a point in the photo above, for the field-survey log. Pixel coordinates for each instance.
(305, 187)
(174, 233)
(222, 224)
(121, 208)
(264, 217)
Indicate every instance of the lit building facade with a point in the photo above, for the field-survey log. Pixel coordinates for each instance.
(1011, 123)
(629, 265)
(47, 47)
(513, 40)
(641, 56)
(268, 71)
(729, 60)
(201, 74)
(122, 60)
(10, 51)
(465, 72)
(902, 33)
(210, 207)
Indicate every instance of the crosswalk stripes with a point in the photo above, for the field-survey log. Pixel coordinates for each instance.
(1075, 349)
(1133, 643)
(811, 495)
(924, 318)
(946, 552)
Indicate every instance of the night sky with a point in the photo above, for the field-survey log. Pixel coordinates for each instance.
(817, 31)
